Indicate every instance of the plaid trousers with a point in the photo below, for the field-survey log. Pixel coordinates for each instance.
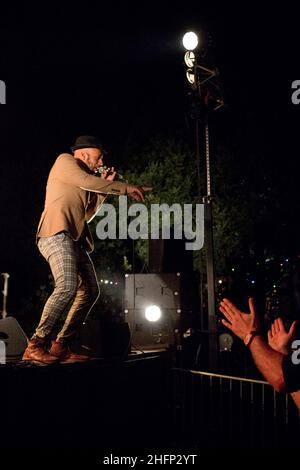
(75, 283)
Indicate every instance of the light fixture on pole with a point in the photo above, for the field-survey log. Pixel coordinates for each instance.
(207, 97)
(190, 41)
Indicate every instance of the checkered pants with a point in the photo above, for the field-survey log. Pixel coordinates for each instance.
(75, 283)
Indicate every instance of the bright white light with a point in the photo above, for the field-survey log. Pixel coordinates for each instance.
(190, 41)
(190, 76)
(152, 313)
(189, 58)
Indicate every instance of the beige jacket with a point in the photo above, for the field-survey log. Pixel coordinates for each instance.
(73, 197)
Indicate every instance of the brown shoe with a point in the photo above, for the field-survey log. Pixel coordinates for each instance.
(65, 355)
(36, 352)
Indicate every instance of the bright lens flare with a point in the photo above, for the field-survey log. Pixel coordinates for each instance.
(190, 41)
(152, 313)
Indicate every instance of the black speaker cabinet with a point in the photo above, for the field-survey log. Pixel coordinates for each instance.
(144, 290)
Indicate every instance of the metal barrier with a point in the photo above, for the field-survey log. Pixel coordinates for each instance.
(212, 411)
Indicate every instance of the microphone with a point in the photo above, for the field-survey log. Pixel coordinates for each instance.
(98, 172)
(102, 168)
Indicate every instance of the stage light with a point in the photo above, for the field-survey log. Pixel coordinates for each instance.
(190, 41)
(153, 313)
(190, 76)
(189, 58)
(152, 309)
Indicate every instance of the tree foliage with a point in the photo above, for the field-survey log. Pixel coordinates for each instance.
(167, 166)
(243, 201)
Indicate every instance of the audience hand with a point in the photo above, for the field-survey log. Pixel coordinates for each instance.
(238, 322)
(278, 338)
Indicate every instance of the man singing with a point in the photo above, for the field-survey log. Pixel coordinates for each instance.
(73, 196)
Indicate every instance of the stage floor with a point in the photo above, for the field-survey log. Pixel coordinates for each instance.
(102, 405)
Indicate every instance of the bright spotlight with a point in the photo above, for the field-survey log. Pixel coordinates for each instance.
(189, 58)
(190, 41)
(190, 76)
(152, 313)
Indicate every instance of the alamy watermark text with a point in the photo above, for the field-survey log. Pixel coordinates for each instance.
(140, 222)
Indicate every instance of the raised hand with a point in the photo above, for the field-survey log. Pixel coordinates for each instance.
(238, 322)
(278, 338)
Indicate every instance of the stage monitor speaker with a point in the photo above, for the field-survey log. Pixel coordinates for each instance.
(14, 338)
(161, 290)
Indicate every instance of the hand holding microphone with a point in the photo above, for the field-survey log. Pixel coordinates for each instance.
(134, 191)
(108, 173)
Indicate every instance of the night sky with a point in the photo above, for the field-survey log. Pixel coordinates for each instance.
(118, 73)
